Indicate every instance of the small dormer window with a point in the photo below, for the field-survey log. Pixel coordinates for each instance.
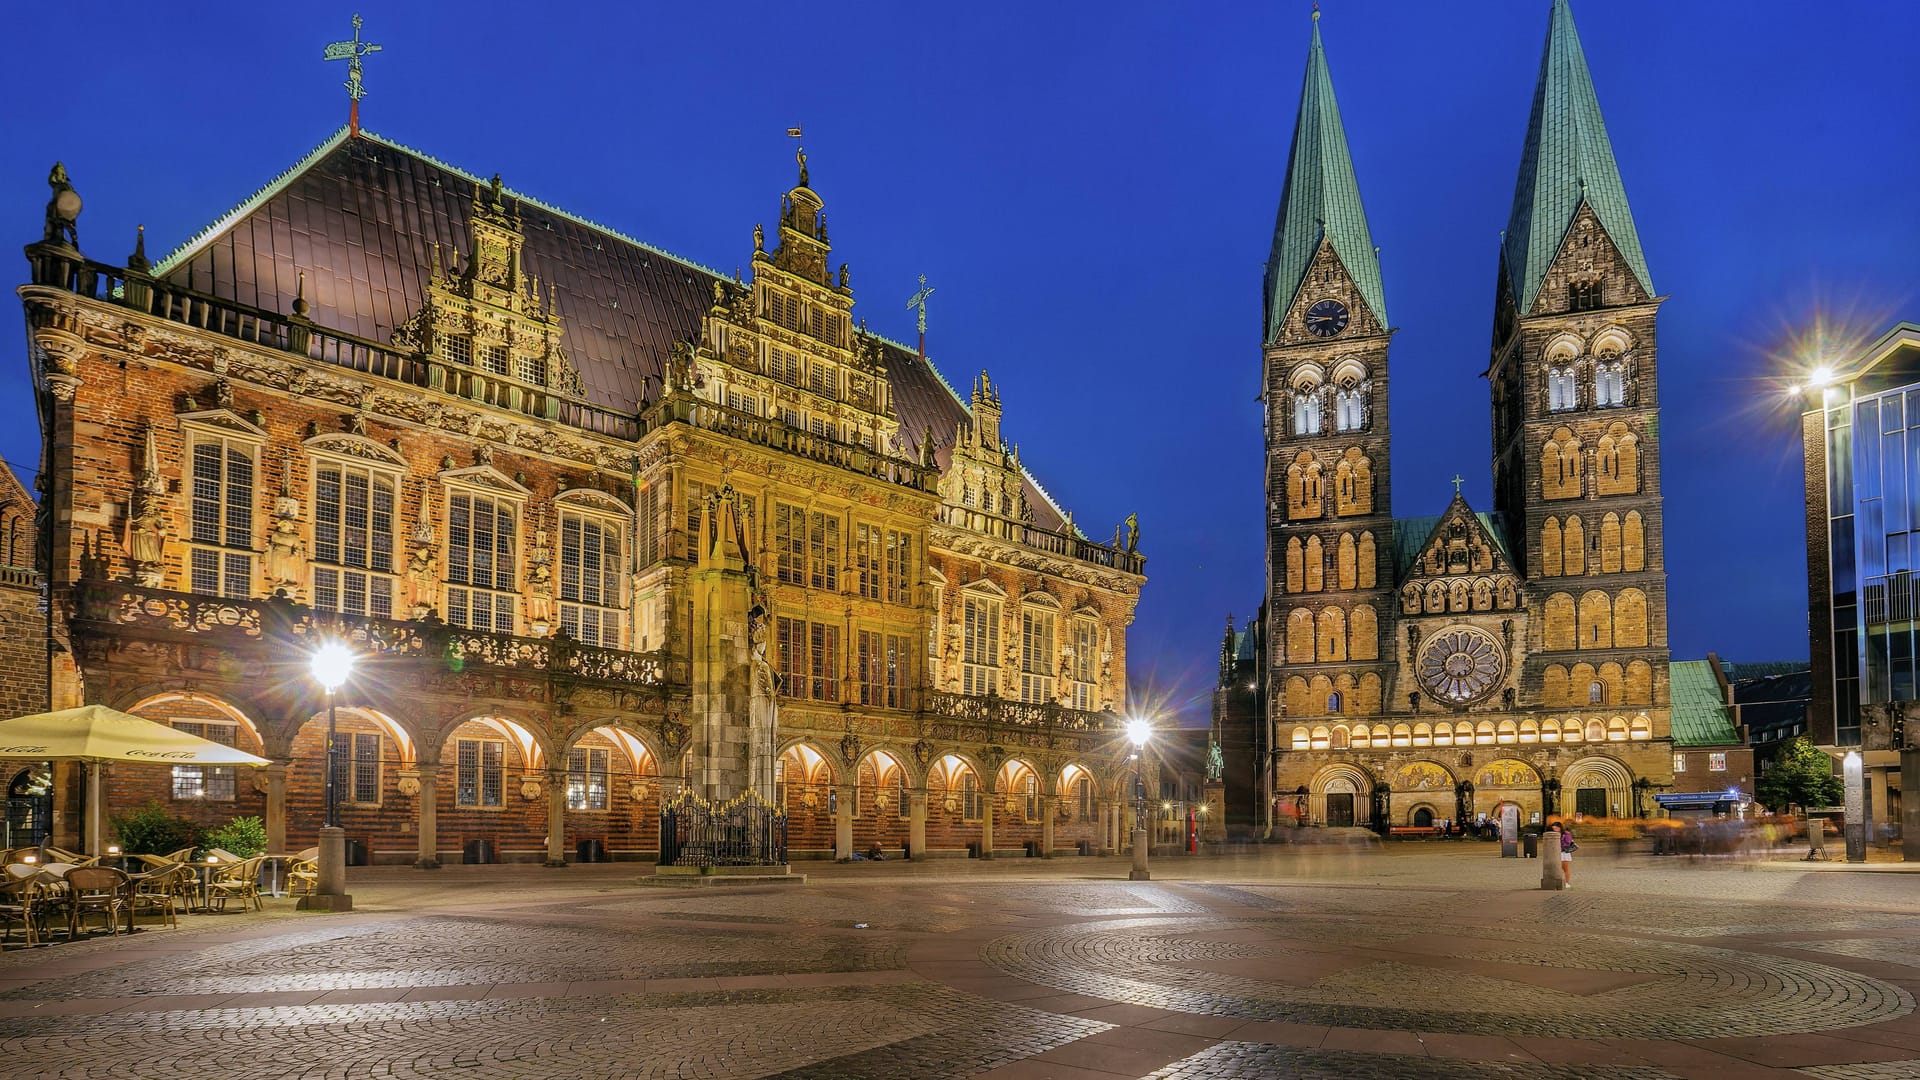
(495, 359)
(457, 348)
(1584, 295)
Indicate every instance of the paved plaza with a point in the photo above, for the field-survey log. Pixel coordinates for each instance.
(1415, 961)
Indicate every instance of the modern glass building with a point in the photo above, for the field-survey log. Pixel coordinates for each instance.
(1861, 438)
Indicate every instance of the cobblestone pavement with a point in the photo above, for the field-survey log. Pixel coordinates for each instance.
(1413, 961)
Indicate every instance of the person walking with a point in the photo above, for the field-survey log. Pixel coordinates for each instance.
(1567, 848)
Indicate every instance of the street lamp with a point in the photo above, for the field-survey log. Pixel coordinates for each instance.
(1138, 732)
(331, 664)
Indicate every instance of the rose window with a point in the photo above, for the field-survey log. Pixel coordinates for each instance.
(1462, 664)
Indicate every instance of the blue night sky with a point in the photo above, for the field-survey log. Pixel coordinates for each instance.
(1091, 189)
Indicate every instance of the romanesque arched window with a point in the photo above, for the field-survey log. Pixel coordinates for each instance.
(1638, 686)
(1559, 630)
(1560, 466)
(1366, 695)
(1303, 487)
(1332, 642)
(1596, 621)
(1333, 707)
(1554, 686)
(1296, 697)
(1562, 389)
(1300, 636)
(1363, 634)
(1630, 619)
(1354, 479)
(1613, 682)
(1609, 384)
(1306, 412)
(1618, 462)
(1300, 740)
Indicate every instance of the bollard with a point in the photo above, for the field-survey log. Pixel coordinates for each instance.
(1550, 865)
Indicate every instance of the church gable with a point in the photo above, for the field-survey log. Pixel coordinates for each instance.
(1327, 278)
(1463, 565)
(1588, 272)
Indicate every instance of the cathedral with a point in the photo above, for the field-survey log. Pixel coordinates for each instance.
(603, 528)
(1407, 672)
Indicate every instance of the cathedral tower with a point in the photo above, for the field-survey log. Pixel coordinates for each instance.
(1575, 411)
(1329, 523)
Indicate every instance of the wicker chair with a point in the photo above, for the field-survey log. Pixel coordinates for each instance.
(303, 872)
(24, 899)
(241, 881)
(98, 888)
(161, 891)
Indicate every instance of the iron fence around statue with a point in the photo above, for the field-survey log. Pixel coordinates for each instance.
(743, 831)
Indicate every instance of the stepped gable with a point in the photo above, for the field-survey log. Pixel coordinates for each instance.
(361, 217)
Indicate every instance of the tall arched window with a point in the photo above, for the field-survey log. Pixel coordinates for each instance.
(1350, 407)
(1609, 384)
(1306, 412)
(1562, 389)
(591, 578)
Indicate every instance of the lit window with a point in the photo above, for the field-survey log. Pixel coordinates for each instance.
(1679, 763)
(590, 580)
(481, 777)
(222, 509)
(480, 563)
(980, 647)
(211, 783)
(357, 769)
(586, 778)
(1036, 655)
(1306, 412)
(1562, 391)
(1716, 763)
(353, 514)
(1609, 384)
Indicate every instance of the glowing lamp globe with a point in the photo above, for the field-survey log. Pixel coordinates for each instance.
(1137, 732)
(331, 666)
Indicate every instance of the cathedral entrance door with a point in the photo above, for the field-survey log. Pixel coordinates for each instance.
(1590, 802)
(1423, 818)
(1340, 809)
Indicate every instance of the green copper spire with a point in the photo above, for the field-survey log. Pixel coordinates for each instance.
(1321, 199)
(1568, 160)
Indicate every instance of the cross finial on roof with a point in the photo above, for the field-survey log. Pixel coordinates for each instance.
(919, 300)
(1457, 481)
(352, 52)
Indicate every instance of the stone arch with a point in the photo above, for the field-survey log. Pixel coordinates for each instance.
(1423, 775)
(1436, 599)
(1559, 626)
(1482, 594)
(1296, 566)
(1302, 738)
(1551, 552)
(1595, 621)
(1369, 561)
(1319, 689)
(1556, 688)
(1506, 774)
(1354, 483)
(1366, 695)
(1630, 619)
(1079, 802)
(1308, 376)
(1574, 546)
(190, 705)
(1295, 701)
(1019, 788)
(1617, 460)
(1316, 565)
(1603, 772)
(1363, 633)
(1633, 543)
(1459, 595)
(1339, 778)
(1610, 546)
(1410, 598)
(1561, 348)
(1300, 636)
(1638, 688)
(1613, 683)
(1303, 487)
(1560, 466)
(1349, 575)
(1340, 738)
(1611, 342)
(1331, 641)
(1529, 731)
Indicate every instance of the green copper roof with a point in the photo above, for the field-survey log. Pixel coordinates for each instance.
(1700, 715)
(1320, 198)
(1410, 536)
(1567, 160)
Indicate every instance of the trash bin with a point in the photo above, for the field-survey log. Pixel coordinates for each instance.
(477, 851)
(1530, 846)
(1085, 846)
(973, 849)
(1033, 848)
(357, 852)
(586, 851)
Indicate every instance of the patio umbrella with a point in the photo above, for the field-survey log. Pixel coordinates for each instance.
(95, 734)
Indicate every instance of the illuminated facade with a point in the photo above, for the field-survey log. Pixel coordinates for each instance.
(601, 524)
(1423, 669)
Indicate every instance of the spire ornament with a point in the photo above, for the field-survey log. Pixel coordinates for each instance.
(352, 52)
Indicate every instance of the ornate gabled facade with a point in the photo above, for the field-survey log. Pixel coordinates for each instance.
(1420, 670)
(601, 524)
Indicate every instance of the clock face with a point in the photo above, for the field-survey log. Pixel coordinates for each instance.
(1326, 318)
(1461, 664)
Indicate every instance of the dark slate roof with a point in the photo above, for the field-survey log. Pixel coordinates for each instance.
(1567, 160)
(1320, 198)
(1762, 669)
(1700, 713)
(361, 217)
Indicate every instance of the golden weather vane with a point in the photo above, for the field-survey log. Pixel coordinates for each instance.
(352, 52)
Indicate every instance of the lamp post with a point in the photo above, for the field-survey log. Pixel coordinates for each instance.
(331, 665)
(1138, 732)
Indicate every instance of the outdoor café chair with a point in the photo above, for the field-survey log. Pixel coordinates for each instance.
(303, 873)
(240, 880)
(97, 888)
(58, 854)
(23, 900)
(160, 890)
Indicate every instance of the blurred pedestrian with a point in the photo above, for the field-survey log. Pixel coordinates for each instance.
(1567, 848)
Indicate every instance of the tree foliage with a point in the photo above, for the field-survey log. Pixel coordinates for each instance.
(1802, 776)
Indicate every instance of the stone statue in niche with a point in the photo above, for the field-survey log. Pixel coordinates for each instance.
(540, 580)
(763, 705)
(286, 550)
(147, 527)
(423, 572)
